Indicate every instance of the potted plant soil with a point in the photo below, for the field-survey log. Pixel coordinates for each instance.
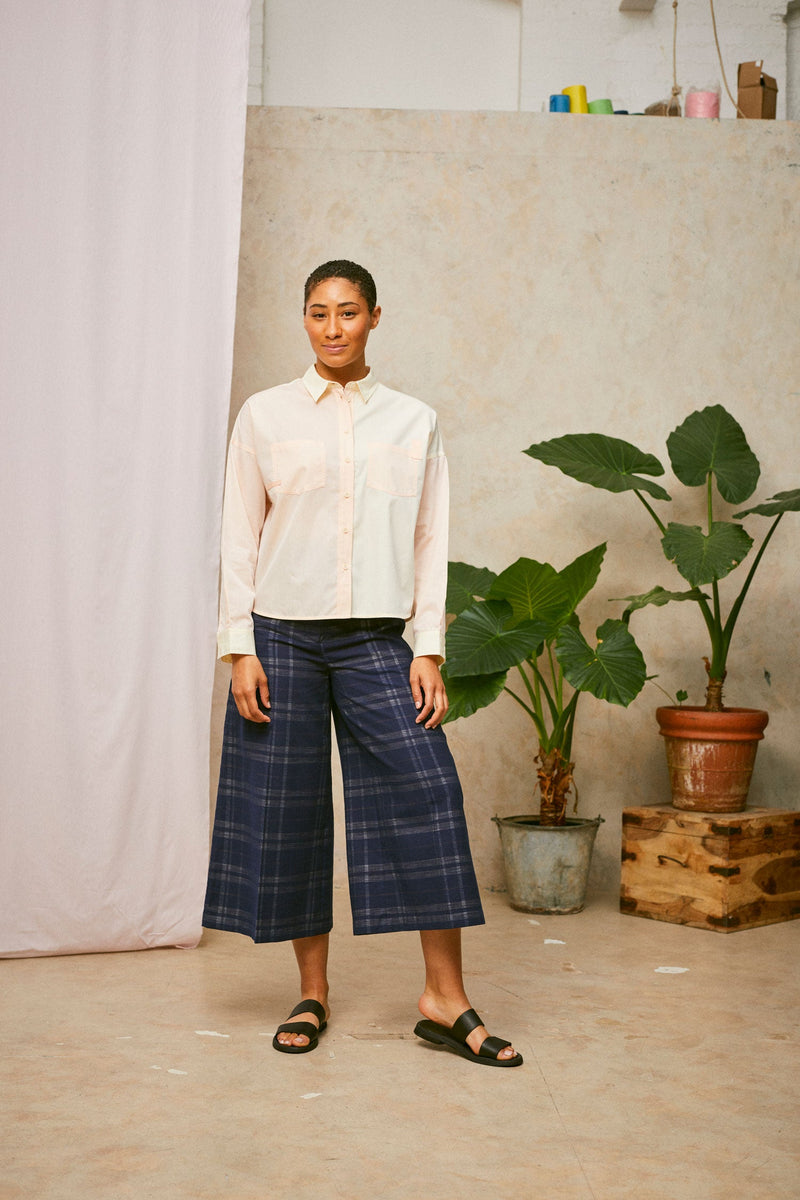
(710, 749)
(521, 627)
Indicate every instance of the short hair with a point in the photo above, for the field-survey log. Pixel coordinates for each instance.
(342, 268)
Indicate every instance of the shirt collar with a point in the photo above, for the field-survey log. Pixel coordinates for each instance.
(317, 386)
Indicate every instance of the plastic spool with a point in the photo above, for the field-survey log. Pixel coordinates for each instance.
(577, 98)
(701, 104)
(601, 106)
(559, 103)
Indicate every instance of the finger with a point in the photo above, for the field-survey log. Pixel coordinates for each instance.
(440, 707)
(247, 706)
(426, 711)
(416, 691)
(435, 719)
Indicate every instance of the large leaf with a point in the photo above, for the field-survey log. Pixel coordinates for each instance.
(613, 671)
(781, 502)
(467, 693)
(535, 591)
(711, 441)
(581, 575)
(603, 462)
(658, 596)
(464, 583)
(702, 558)
(478, 642)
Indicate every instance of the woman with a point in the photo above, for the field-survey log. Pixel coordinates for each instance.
(335, 533)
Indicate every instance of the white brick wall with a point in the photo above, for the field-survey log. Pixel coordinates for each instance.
(501, 54)
(627, 56)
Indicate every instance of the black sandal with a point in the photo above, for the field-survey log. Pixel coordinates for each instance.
(305, 1028)
(455, 1039)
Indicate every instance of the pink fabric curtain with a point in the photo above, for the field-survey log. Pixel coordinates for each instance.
(123, 141)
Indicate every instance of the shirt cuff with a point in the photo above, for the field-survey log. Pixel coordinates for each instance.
(235, 641)
(429, 641)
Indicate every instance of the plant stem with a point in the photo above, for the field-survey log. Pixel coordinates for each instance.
(536, 720)
(727, 632)
(534, 694)
(652, 511)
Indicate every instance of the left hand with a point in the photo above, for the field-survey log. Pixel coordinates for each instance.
(427, 689)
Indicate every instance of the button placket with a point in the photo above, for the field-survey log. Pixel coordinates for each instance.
(346, 507)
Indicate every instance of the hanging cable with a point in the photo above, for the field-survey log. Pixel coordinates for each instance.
(721, 65)
(674, 106)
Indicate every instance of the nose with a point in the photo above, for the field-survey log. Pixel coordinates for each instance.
(332, 328)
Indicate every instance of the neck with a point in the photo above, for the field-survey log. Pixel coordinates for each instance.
(344, 375)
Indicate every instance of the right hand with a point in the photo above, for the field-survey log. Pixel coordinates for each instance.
(248, 683)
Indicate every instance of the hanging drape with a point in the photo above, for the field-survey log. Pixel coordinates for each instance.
(122, 146)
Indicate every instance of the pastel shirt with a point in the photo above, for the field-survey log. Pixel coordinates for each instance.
(336, 506)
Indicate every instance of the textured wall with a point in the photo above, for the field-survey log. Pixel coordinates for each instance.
(541, 275)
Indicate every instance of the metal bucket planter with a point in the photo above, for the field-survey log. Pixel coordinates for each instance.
(547, 866)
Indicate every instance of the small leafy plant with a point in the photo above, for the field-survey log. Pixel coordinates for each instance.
(708, 450)
(524, 620)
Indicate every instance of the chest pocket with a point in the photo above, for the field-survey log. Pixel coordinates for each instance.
(394, 469)
(298, 466)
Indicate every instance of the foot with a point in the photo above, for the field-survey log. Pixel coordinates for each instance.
(300, 1039)
(446, 1012)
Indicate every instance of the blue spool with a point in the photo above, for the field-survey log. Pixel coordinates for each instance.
(559, 103)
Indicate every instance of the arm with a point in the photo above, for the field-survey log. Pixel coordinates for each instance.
(243, 514)
(430, 589)
(430, 555)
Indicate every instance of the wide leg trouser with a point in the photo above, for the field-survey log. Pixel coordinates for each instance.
(409, 863)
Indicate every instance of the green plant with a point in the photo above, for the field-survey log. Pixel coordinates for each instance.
(525, 619)
(708, 450)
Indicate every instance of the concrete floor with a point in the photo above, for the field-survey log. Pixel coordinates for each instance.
(151, 1074)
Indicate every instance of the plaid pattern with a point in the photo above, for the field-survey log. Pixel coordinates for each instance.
(409, 862)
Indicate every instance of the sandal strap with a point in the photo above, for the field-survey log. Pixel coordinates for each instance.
(465, 1024)
(491, 1047)
(305, 1028)
(312, 1006)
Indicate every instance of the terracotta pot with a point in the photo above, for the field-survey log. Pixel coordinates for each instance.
(710, 755)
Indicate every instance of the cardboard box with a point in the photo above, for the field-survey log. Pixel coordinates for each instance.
(758, 92)
(712, 870)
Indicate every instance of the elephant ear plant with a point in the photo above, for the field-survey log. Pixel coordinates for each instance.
(524, 621)
(708, 450)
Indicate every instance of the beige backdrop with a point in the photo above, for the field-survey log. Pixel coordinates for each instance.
(542, 275)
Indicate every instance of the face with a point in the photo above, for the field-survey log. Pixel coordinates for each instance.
(338, 323)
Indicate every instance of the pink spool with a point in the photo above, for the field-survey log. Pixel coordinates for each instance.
(702, 104)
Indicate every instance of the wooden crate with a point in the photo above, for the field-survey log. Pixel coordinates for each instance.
(712, 870)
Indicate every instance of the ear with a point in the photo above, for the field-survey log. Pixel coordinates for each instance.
(376, 316)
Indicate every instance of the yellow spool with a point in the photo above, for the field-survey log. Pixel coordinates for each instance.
(577, 98)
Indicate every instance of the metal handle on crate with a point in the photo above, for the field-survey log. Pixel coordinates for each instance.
(662, 858)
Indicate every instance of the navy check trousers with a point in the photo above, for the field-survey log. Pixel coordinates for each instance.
(409, 863)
